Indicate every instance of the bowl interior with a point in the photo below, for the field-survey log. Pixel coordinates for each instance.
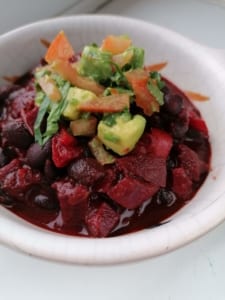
(191, 68)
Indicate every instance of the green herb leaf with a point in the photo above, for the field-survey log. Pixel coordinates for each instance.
(41, 113)
(118, 78)
(156, 75)
(110, 119)
(55, 114)
(40, 95)
(138, 58)
(155, 91)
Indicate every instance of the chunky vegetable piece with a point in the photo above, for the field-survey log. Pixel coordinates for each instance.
(122, 136)
(116, 44)
(60, 49)
(75, 98)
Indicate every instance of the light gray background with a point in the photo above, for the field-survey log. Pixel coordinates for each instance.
(195, 272)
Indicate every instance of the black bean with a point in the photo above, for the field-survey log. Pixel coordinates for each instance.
(3, 158)
(87, 171)
(173, 104)
(17, 134)
(43, 197)
(5, 200)
(165, 197)
(50, 170)
(179, 128)
(37, 155)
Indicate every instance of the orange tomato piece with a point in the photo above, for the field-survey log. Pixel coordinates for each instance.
(60, 48)
(156, 67)
(65, 69)
(138, 79)
(107, 104)
(115, 44)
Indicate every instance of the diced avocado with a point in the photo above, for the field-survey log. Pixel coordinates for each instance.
(123, 135)
(95, 63)
(74, 98)
(138, 58)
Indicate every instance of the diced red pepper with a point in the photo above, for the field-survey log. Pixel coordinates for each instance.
(64, 148)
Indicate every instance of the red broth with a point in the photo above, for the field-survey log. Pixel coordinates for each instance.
(170, 162)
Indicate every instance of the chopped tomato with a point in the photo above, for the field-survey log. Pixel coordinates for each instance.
(138, 79)
(108, 104)
(115, 44)
(65, 69)
(156, 67)
(60, 48)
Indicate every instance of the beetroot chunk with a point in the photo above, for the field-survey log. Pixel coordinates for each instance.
(161, 143)
(191, 163)
(29, 118)
(182, 185)
(101, 221)
(16, 178)
(64, 148)
(131, 193)
(72, 199)
(87, 171)
(148, 167)
(22, 99)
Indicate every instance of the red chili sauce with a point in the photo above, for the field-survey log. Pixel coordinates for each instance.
(141, 190)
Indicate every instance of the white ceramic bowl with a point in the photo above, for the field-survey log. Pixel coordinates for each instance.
(191, 67)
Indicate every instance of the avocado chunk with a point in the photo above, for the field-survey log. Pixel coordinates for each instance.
(95, 63)
(74, 98)
(123, 134)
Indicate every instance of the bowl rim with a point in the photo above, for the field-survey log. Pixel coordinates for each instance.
(130, 247)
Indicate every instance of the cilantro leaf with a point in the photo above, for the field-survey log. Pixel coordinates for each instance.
(155, 91)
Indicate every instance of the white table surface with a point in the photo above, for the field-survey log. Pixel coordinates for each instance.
(194, 272)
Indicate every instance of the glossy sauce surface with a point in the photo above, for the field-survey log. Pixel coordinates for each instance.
(179, 118)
